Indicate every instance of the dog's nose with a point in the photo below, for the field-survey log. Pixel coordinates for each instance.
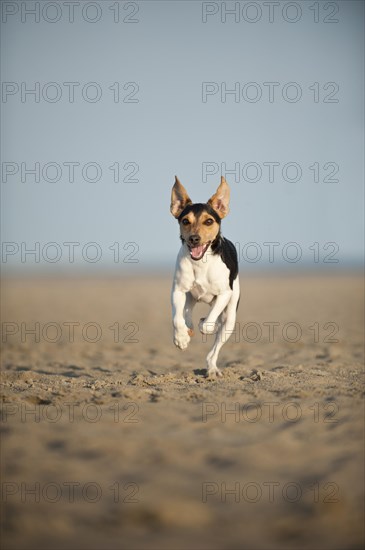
(194, 240)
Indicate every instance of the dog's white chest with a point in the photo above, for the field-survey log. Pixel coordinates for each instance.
(202, 291)
(204, 279)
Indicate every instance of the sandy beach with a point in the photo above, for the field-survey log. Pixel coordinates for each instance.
(113, 439)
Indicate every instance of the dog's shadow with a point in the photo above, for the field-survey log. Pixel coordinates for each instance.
(200, 372)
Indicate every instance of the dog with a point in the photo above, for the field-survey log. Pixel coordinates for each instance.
(206, 271)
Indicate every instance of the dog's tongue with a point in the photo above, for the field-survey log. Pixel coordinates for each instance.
(197, 251)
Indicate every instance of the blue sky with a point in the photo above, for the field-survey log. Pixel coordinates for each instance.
(128, 95)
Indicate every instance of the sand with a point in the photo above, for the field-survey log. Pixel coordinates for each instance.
(113, 439)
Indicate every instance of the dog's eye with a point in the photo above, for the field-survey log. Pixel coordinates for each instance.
(209, 221)
(185, 221)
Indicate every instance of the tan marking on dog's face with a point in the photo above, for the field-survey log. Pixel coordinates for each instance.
(203, 225)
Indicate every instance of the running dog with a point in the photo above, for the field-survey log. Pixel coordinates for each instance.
(206, 271)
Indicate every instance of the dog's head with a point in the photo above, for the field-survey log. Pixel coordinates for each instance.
(199, 223)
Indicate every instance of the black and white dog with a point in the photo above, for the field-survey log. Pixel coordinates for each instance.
(206, 271)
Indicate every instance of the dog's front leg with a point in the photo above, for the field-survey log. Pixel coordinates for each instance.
(181, 331)
(208, 325)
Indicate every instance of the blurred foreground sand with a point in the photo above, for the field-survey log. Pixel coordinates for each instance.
(122, 443)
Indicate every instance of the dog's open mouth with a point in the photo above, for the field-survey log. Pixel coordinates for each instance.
(197, 252)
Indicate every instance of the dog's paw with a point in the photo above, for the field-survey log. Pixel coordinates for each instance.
(182, 338)
(207, 327)
(213, 373)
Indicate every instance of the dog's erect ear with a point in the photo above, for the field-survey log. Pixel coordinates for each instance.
(179, 198)
(220, 200)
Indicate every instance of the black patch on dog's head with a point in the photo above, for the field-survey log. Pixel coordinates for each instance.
(197, 209)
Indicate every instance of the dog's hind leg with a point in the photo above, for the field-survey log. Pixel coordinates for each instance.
(208, 325)
(227, 322)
